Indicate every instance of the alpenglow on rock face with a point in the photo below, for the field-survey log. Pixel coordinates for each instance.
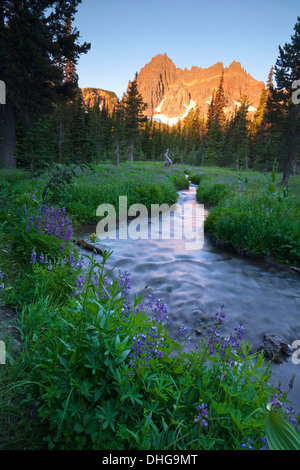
(171, 92)
(97, 97)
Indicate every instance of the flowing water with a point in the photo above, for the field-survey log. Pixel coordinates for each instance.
(193, 284)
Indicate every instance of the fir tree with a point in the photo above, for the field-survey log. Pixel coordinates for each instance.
(236, 147)
(216, 121)
(35, 45)
(283, 113)
(134, 108)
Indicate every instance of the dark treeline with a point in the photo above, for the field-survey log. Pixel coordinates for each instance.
(45, 120)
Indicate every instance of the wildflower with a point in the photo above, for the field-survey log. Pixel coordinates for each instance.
(249, 444)
(291, 382)
(68, 234)
(1, 285)
(145, 346)
(184, 332)
(220, 317)
(277, 404)
(202, 415)
(264, 441)
(79, 285)
(80, 263)
(159, 309)
(33, 257)
(71, 259)
(124, 280)
(93, 237)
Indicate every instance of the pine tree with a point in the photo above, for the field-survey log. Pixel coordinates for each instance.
(134, 108)
(220, 103)
(236, 143)
(35, 45)
(261, 139)
(283, 113)
(215, 125)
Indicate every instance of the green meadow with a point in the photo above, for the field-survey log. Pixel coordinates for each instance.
(86, 368)
(252, 212)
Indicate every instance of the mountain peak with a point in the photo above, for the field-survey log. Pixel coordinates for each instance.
(236, 67)
(170, 91)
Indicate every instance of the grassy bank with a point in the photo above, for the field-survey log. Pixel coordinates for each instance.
(81, 191)
(252, 212)
(96, 367)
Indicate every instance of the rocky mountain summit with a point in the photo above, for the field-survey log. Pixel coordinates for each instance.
(99, 97)
(171, 92)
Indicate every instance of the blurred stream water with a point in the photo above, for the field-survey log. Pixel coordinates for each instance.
(193, 284)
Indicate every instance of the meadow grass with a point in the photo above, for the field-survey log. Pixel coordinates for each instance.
(88, 187)
(252, 212)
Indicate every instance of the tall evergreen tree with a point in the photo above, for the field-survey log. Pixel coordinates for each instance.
(133, 114)
(34, 47)
(283, 112)
(215, 126)
(220, 103)
(236, 146)
(261, 139)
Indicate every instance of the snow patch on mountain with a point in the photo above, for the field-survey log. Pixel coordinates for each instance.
(159, 117)
(158, 109)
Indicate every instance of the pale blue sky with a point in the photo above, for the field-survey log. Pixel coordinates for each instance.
(126, 34)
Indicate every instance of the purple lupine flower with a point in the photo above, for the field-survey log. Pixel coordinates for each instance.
(33, 257)
(203, 408)
(80, 263)
(264, 441)
(1, 277)
(79, 285)
(68, 234)
(145, 346)
(248, 444)
(291, 382)
(71, 259)
(124, 281)
(183, 331)
(159, 309)
(277, 404)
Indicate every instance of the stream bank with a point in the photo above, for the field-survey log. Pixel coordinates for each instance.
(193, 284)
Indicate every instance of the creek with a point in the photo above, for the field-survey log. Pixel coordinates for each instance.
(264, 297)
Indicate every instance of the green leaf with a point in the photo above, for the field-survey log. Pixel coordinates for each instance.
(78, 428)
(220, 408)
(281, 434)
(271, 188)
